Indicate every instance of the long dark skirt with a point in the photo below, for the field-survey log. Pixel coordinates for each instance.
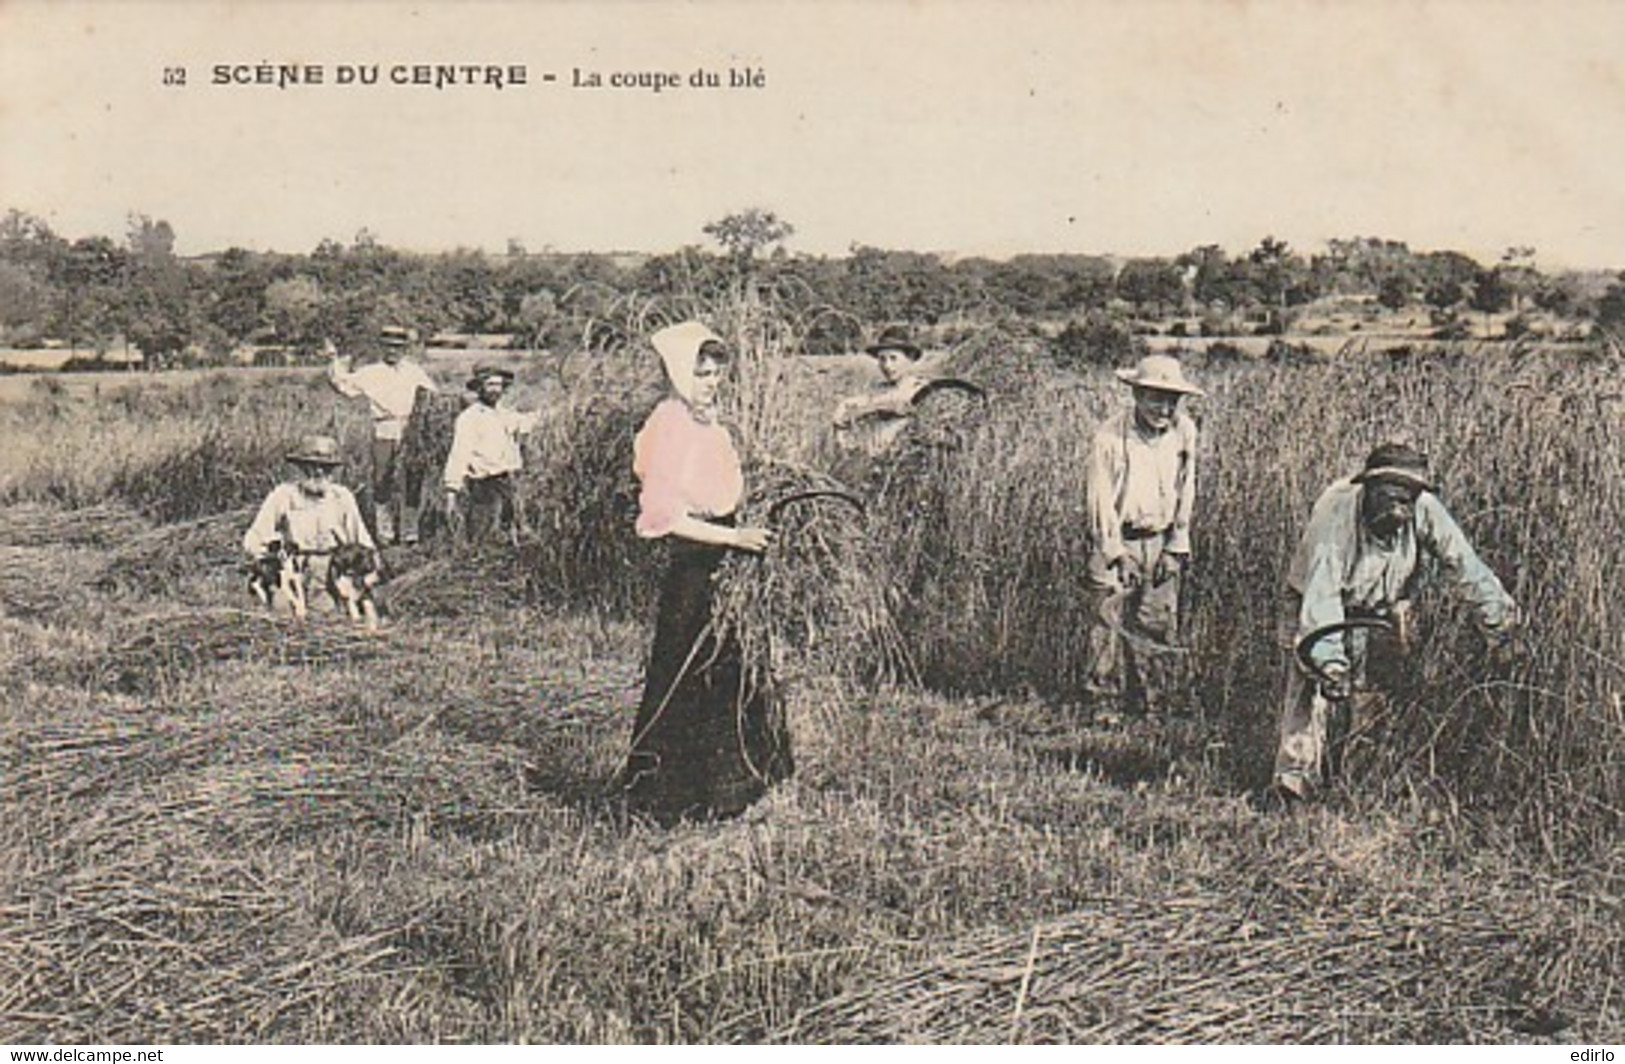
(706, 742)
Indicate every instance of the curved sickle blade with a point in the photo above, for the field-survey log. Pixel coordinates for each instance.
(953, 384)
(1308, 642)
(778, 506)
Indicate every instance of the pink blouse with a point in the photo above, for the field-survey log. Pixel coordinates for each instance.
(686, 467)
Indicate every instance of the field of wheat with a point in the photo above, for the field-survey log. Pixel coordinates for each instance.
(220, 827)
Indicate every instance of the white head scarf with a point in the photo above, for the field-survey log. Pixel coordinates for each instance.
(679, 348)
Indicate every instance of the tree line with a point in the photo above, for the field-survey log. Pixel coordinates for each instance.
(95, 291)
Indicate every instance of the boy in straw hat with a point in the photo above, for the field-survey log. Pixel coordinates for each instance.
(1358, 558)
(1141, 487)
(390, 388)
(301, 524)
(485, 454)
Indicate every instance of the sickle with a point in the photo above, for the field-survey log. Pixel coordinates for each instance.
(778, 506)
(956, 384)
(1307, 643)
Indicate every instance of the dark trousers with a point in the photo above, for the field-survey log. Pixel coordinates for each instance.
(490, 506)
(388, 480)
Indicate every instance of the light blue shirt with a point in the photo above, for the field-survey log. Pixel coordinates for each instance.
(1339, 566)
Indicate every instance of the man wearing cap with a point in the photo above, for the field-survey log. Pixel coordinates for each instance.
(485, 454)
(390, 388)
(873, 421)
(1358, 558)
(309, 517)
(1141, 487)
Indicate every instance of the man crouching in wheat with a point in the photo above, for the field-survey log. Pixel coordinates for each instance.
(1141, 485)
(309, 534)
(1355, 570)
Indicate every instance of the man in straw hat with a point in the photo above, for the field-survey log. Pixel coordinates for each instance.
(390, 387)
(1141, 487)
(874, 420)
(485, 455)
(1358, 560)
(301, 524)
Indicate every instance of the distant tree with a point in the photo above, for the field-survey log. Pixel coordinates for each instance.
(1211, 278)
(1394, 293)
(1610, 313)
(25, 300)
(879, 285)
(1447, 268)
(31, 266)
(237, 289)
(1558, 295)
(295, 308)
(1491, 293)
(744, 234)
(1277, 274)
(1152, 285)
(149, 241)
(1518, 271)
(1443, 294)
(91, 292)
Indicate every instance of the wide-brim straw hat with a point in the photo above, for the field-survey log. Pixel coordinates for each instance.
(1160, 372)
(1397, 463)
(485, 373)
(317, 451)
(894, 338)
(395, 336)
(679, 349)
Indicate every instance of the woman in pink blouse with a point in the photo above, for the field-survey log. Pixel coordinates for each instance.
(705, 743)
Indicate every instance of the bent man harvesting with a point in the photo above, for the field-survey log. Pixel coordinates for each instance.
(1359, 559)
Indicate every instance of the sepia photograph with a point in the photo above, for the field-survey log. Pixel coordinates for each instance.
(905, 522)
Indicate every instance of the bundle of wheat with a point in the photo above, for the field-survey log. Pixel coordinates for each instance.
(159, 559)
(818, 601)
(1215, 968)
(148, 652)
(28, 524)
(578, 503)
(427, 439)
(1002, 360)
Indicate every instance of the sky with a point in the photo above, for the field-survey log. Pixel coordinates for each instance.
(955, 126)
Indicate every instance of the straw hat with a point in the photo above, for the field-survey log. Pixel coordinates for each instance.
(1162, 372)
(396, 336)
(316, 450)
(1397, 463)
(485, 373)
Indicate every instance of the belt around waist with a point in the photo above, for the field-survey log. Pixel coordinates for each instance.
(1131, 533)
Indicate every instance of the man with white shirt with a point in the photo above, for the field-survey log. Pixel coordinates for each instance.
(485, 455)
(390, 388)
(1141, 485)
(302, 525)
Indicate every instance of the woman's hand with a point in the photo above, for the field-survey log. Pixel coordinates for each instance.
(754, 540)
